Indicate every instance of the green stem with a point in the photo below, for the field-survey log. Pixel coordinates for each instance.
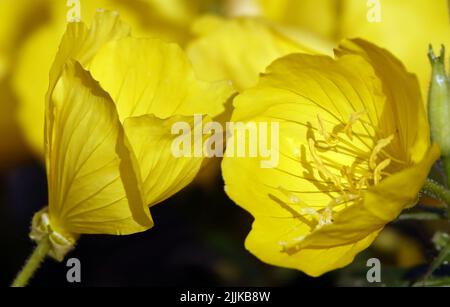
(443, 254)
(446, 161)
(435, 190)
(32, 264)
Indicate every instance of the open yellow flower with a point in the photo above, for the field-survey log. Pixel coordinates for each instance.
(354, 152)
(111, 103)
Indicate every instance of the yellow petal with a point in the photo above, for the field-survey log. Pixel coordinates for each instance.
(403, 93)
(90, 176)
(422, 23)
(317, 16)
(162, 173)
(31, 76)
(30, 82)
(238, 49)
(154, 77)
(81, 43)
(264, 242)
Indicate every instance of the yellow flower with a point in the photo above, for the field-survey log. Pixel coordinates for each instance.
(241, 48)
(111, 103)
(316, 16)
(15, 19)
(406, 28)
(354, 151)
(37, 46)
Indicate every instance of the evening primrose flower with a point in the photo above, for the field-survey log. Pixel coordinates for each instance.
(354, 152)
(111, 102)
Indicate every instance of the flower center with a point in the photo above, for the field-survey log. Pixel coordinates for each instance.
(345, 163)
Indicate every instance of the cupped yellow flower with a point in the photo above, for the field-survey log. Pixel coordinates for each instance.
(354, 151)
(111, 103)
(239, 49)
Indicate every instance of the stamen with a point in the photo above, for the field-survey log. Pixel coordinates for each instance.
(381, 144)
(347, 172)
(326, 218)
(401, 162)
(330, 139)
(305, 209)
(321, 166)
(293, 199)
(352, 120)
(292, 246)
(349, 180)
(364, 181)
(377, 172)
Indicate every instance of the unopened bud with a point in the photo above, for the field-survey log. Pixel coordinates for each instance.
(439, 102)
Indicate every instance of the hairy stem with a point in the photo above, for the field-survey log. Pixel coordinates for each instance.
(437, 191)
(32, 264)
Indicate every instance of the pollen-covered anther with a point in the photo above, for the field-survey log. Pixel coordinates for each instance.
(292, 246)
(326, 217)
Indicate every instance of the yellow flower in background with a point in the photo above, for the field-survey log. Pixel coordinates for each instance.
(354, 152)
(110, 107)
(24, 64)
(16, 20)
(239, 49)
(405, 27)
(316, 16)
(37, 48)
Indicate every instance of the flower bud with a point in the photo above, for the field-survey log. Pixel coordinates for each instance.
(439, 102)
